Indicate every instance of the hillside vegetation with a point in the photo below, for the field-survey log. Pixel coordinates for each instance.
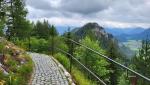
(15, 64)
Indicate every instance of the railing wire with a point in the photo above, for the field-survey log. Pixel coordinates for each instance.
(106, 57)
(82, 65)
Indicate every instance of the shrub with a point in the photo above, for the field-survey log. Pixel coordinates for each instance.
(1, 75)
(1, 47)
(25, 69)
(78, 75)
(123, 80)
(80, 78)
(63, 60)
(19, 73)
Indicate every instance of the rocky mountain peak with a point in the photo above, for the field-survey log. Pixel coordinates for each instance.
(93, 29)
(92, 25)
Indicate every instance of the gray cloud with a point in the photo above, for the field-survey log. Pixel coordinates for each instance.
(127, 11)
(76, 6)
(85, 6)
(121, 11)
(39, 4)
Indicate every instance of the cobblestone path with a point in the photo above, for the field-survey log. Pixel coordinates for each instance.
(46, 71)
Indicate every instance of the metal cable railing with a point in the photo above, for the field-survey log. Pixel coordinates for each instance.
(111, 60)
(102, 82)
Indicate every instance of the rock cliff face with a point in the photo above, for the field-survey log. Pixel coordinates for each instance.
(94, 31)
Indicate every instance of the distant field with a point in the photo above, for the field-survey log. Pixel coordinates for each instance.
(133, 44)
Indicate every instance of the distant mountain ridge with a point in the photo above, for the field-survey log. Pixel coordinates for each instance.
(130, 34)
(129, 31)
(145, 33)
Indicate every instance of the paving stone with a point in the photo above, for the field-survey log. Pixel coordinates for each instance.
(46, 71)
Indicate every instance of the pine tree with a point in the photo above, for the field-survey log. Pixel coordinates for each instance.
(142, 61)
(53, 34)
(16, 20)
(44, 30)
(2, 16)
(2, 9)
(53, 31)
(38, 30)
(113, 55)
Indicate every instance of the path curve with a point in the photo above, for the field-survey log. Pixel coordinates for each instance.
(46, 71)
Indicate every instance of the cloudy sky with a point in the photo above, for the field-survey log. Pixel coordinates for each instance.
(108, 13)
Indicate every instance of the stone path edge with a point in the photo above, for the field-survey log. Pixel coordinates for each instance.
(67, 74)
(33, 72)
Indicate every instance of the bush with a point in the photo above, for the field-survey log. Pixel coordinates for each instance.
(63, 60)
(94, 62)
(1, 75)
(36, 44)
(25, 69)
(78, 75)
(1, 47)
(80, 78)
(22, 43)
(123, 80)
(19, 73)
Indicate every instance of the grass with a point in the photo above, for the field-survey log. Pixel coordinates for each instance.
(19, 73)
(78, 75)
(19, 67)
(80, 78)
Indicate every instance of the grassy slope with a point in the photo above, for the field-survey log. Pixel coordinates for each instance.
(16, 62)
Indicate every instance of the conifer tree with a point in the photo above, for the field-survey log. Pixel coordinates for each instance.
(44, 30)
(2, 16)
(142, 61)
(113, 55)
(53, 31)
(16, 20)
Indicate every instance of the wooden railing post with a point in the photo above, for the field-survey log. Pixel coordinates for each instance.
(133, 80)
(70, 48)
(29, 45)
(52, 45)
